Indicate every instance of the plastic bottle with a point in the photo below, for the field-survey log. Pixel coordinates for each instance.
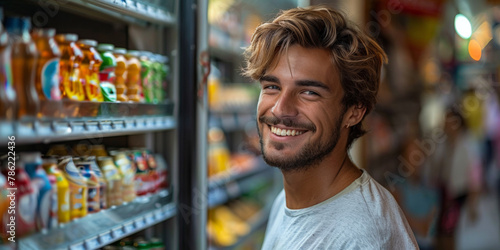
(142, 176)
(25, 199)
(92, 181)
(113, 180)
(71, 83)
(47, 73)
(41, 184)
(107, 71)
(54, 204)
(77, 187)
(8, 95)
(121, 73)
(24, 58)
(62, 187)
(146, 76)
(163, 172)
(163, 73)
(134, 88)
(103, 187)
(90, 70)
(124, 165)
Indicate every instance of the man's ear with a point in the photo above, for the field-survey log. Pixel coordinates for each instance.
(354, 115)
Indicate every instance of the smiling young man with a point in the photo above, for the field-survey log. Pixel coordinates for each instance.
(319, 77)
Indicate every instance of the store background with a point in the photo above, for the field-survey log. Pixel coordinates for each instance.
(221, 190)
(432, 67)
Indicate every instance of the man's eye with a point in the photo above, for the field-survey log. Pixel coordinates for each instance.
(308, 92)
(271, 87)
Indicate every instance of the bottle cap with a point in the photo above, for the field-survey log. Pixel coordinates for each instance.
(121, 51)
(135, 53)
(88, 42)
(105, 47)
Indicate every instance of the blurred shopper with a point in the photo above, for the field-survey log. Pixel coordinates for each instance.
(319, 77)
(458, 172)
(418, 200)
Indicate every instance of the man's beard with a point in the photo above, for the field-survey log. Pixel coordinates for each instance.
(310, 155)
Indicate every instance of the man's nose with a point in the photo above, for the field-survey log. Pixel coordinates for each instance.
(285, 106)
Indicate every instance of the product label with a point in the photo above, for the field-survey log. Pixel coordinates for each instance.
(50, 79)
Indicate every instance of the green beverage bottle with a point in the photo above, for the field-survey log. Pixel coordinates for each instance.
(146, 76)
(107, 72)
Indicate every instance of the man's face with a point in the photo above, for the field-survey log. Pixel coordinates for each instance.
(299, 114)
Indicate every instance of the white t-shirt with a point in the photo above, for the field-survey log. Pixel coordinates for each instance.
(362, 216)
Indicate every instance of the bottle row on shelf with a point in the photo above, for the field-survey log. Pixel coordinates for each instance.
(137, 243)
(38, 65)
(42, 193)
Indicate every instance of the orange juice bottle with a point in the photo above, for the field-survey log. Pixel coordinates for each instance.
(77, 187)
(133, 76)
(90, 70)
(47, 73)
(8, 95)
(120, 72)
(62, 187)
(24, 57)
(69, 67)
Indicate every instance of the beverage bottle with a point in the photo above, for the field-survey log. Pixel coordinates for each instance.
(98, 150)
(8, 95)
(113, 180)
(90, 70)
(120, 73)
(24, 57)
(164, 74)
(107, 71)
(47, 73)
(159, 85)
(70, 77)
(133, 79)
(77, 187)
(41, 184)
(92, 181)
(81, 149)
(127, 171)
(142, 176)
(25, 199)
(103, 187)
(58, 150)
(62, 189)
(53, 213)
(146, 76)
(153, 170)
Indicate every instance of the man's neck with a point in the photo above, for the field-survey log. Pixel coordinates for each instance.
(319, 183)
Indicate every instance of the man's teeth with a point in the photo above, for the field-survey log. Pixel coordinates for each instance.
(285, 132)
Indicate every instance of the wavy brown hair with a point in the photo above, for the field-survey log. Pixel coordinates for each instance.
(357, 57)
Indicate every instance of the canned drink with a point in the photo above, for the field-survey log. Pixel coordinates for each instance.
(77, 187)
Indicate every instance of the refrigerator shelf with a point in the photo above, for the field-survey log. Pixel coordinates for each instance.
(85, 120)
(223, 188)
(105, 227)
(128, 11)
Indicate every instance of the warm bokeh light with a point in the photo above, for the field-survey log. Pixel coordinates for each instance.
(483, 34)
(474, 50)
(463, 26)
